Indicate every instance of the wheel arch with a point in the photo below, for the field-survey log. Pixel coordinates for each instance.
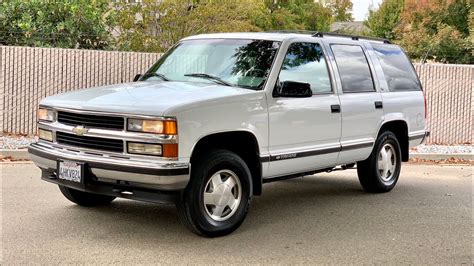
(400, 128)
(242, 142)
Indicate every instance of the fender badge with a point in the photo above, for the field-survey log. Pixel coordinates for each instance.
(80, 130)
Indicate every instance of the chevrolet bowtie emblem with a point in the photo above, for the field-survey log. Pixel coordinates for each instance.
(80, 130)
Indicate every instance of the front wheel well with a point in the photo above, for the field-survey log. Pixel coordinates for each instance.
(400, 129)
(242, 143)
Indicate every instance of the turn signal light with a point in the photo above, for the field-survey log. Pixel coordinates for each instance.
(170, 150)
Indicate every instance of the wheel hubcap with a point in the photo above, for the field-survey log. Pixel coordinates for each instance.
(222, 195)
(387, 162)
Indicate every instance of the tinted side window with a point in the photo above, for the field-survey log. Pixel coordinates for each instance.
(353, 68)
(398, 70)
(304, 62)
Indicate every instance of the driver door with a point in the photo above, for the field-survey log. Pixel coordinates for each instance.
(304, 132)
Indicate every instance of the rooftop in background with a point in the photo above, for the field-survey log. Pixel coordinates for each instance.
(349, 26)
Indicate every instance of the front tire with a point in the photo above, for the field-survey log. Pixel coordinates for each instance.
(379, 173)
(85, 199)
(217, 198)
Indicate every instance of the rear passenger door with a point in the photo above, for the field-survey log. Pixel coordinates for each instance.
(361, 101)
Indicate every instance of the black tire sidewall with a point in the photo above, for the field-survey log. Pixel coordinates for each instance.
(384, 138)
(216, 161)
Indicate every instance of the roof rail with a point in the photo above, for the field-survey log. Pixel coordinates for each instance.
(353, 37)
(294, 31)
(333, 34)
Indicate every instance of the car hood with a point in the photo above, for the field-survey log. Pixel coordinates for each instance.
(145, 97)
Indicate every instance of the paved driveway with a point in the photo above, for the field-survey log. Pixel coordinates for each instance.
(325, 218)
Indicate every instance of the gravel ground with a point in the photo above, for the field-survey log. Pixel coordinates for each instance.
(444, 149)
(15, 142)
(21, 142)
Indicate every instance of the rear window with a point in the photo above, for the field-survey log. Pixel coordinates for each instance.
(397, 69)
(353, 68)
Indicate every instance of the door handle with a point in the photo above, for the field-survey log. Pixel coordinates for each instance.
(378, 105)
(335, 108)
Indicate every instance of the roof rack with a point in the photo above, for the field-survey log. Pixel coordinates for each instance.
(332, 34)
(352, 37)
(294, 31)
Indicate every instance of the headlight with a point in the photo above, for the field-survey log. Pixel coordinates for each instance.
(168, 127)
(45, 135)
(144, 148)
(45, 115)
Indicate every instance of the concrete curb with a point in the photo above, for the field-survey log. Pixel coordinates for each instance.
(22, 154)
(440, 156)
(19, 154)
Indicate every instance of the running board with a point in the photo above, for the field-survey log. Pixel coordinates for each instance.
(327, 170)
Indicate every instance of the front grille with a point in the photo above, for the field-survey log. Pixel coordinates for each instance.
(91, 121)
(112, 145)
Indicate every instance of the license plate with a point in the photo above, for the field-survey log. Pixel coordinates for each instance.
(70, 171)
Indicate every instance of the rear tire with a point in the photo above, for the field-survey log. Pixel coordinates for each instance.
(379, 173)
(85, 199)
(217, 198)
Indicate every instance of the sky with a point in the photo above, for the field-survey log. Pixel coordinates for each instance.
(360, 8)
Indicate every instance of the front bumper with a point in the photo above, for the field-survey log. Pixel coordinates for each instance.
(114, 171)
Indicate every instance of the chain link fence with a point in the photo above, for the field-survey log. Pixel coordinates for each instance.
(449, 95)
(29, 74)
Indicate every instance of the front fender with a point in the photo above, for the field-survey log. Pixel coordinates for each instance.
(249, 114)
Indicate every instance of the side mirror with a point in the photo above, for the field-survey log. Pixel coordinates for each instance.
(293, 89)
(137, 77)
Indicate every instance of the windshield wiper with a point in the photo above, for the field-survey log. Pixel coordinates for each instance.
(209, 77)
(154, 74)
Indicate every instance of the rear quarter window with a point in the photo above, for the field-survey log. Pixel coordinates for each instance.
(397, 68)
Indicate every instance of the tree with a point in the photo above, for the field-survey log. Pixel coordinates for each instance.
(300, 15)
(437, 31)
(317, 18)
(156, 25)
(471, 27)
(450, 47)
(67, 24)
(383, 21)
(284, 19)
(341, 10)
(457, 16)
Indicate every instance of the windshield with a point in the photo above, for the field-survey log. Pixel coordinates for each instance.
(242, 63)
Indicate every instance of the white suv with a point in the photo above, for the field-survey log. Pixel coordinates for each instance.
(220, 114)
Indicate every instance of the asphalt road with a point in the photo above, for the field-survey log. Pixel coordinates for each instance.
(325, 218)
